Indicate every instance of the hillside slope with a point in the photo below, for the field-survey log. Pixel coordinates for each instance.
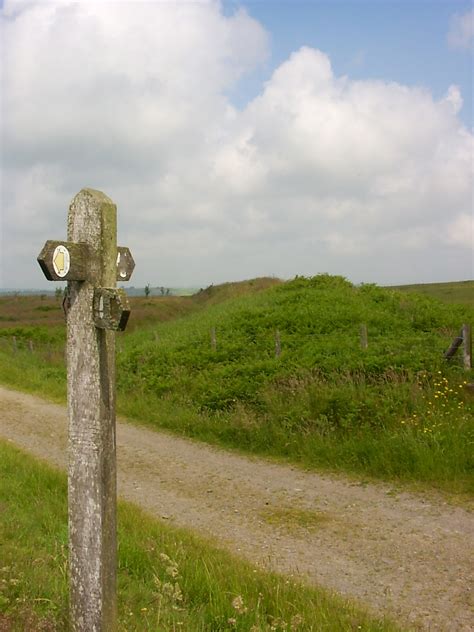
(315, 323)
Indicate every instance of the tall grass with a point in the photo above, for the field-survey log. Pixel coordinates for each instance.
(390, 432)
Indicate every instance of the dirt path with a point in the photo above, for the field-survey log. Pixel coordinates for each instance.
(394, 552)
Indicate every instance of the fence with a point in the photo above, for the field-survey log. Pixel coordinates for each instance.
(52, 351)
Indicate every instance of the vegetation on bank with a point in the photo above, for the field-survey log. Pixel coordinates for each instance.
(168, 579)
(278, 369)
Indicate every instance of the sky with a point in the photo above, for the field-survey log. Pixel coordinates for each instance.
(243, 139)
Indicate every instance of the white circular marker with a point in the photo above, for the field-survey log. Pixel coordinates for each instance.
(61, 261)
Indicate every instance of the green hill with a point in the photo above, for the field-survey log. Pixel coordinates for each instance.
(225, 291)
(318, 322)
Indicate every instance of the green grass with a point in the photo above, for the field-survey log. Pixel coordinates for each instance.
(396, 410)
(318, 321)
(458, 292)
(293, 519)
(168, 579)
(42, 372)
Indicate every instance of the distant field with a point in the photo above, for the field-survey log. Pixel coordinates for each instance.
(21, 311)
(454, 292)
(45, 310)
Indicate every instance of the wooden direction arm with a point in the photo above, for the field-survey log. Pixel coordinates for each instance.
(69, 261)
(64, 260)
(125, 263)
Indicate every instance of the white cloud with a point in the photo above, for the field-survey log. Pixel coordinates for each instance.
(319, 173)
(461, 231)
(461, 30)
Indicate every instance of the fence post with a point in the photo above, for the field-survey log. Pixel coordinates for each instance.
(277, 344)
(467, 346)
(213, 339)
(364, 338)
(454, 346)
(15, 346)
(91, 263)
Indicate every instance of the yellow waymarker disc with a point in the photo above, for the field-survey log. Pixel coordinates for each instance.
(61, 261)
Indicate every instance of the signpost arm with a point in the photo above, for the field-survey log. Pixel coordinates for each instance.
(91, 412)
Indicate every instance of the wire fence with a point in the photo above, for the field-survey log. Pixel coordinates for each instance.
(55, 351)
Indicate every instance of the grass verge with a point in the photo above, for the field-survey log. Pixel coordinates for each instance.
(168, 579)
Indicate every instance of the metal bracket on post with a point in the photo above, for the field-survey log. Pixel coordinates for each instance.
(111, 308)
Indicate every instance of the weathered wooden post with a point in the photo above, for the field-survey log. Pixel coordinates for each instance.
(213, 339)
(454, 346)
(364, 337)
(467, 346)
(277, 344)
(91, 263)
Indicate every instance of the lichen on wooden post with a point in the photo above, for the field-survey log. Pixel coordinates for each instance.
(91, 263)
(91, 410)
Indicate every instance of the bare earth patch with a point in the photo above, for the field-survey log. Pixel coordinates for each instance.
(396, 553)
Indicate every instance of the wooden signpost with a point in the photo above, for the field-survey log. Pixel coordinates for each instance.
(91, 263)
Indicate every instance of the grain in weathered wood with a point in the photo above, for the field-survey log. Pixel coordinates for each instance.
(364, 337)
(91, 412)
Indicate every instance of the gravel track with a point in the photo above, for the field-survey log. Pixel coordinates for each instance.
(395, 553)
